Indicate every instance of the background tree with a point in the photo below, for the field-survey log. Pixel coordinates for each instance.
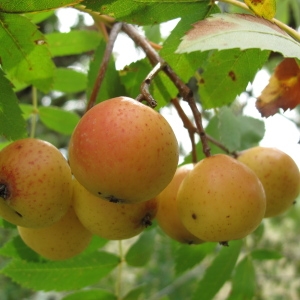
(49, 78)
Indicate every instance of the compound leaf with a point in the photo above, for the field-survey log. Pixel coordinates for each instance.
(12, 123)
(74, 273)
(25, 57)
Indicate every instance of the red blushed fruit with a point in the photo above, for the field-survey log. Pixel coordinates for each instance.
(35, 183)
(123, 151)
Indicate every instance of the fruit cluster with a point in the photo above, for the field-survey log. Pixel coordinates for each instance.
(123, 172)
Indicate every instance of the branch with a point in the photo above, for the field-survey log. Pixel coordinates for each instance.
(103, 67)
(145, 94)
(192, 129)
(183, 89)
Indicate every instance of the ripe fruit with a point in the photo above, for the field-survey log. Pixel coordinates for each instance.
(278, 174)
(167, 214)
(221, 199)
(61, 240)
(123, 151)
(113, 221)
(35, 183)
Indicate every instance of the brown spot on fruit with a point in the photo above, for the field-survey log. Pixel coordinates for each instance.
(194, 216)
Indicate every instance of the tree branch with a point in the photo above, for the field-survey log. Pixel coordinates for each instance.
(183, 89)
(103, 67)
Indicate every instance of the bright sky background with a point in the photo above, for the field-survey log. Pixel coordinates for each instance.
(280, 132)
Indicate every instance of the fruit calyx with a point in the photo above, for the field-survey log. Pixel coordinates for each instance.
(146, 220)
(4, 192)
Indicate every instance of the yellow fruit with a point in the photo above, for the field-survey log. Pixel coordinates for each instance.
(123, 151)
(113, 221)
(35, 183)
(167, 214)
(221, 199)
(278, 174)
(61, 240)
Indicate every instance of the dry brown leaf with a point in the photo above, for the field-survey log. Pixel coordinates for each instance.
(283, 89)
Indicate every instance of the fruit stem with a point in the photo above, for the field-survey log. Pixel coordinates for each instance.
(185, 92)
(34, 112)
(187, 123)
(120, 269)
(104, 64)
(145, 94)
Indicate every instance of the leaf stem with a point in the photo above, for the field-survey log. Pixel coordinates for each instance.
(34, 112)
(289, 30)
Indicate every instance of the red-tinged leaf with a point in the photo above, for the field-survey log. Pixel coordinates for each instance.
(283, 90)
(243, 31)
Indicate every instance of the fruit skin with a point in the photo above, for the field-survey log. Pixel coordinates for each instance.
(167, 214)
(124, 151)
(36, 183)
(221, 199)
(278, 174)
(113, 221)
(62, 240)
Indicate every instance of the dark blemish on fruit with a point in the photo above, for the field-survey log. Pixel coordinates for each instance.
(18, 214)
(194, 216)
(146, 220)
(4, 191)
(99, 193)
(113, 199)
(224, 243)
(227, 216)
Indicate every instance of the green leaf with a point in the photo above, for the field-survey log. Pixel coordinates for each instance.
(25, 56)
(16, 248)
(265, 254)
(37, 18)
(188, 256)
(95, 244)
(137, 293)
(229, 130)
(91, 295)
(227, 73)
(218, 272)
(186, 64)
(27, 110)
(4, 223)
(58, 119)
(12, 124)
(73, 42)
(238, 132)
(131, 76)
(252, 131)
(229, 31)
(19, 7)
(69, 80)
(142, 13)
(243, 281)
(74, 273)
(111, 85)
(141, 251)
